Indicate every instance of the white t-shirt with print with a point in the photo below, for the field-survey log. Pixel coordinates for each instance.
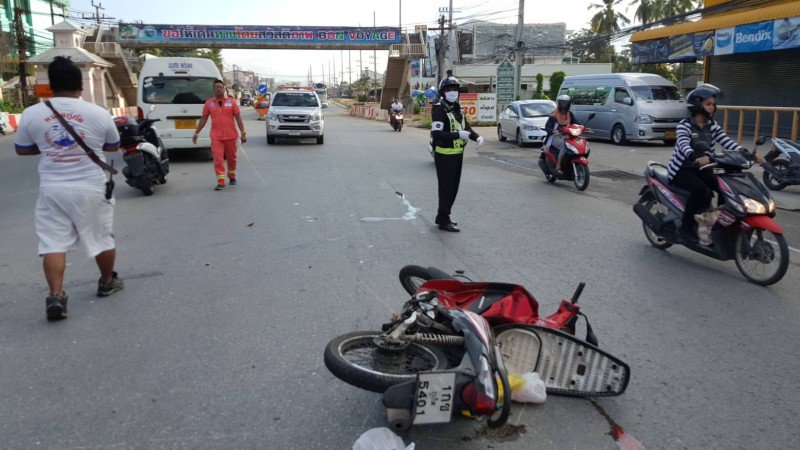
(63, 161)
(397, 106)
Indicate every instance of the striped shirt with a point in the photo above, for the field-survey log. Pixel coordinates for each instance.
(683, 144)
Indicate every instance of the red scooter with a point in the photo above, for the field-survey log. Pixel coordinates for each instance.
(575, 165)
(511, 308)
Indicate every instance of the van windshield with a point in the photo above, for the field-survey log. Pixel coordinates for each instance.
(657, 93)
(302, 99)
(177, 90)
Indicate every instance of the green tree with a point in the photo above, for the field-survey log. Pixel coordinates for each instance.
(556, 80)
(607, 21)
(539, 94)
(587, 46)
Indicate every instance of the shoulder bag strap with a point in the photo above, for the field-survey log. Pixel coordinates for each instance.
(91, 154)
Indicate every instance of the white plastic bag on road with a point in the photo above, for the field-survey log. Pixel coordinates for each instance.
(533, 391)
(380, 439)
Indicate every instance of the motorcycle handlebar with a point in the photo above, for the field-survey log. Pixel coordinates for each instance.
(578, 292)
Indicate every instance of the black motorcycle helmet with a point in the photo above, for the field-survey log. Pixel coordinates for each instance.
(449, 82)
(563, 102)
(128, 131)
(695, 99)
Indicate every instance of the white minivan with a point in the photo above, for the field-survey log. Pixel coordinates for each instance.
(176, 88)
(626, 106)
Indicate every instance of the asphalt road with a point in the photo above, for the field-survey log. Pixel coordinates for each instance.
(217, 340)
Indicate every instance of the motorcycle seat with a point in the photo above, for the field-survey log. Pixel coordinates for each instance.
(661, 173)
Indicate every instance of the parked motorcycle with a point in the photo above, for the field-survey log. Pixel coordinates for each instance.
(745, 230)
(396, 120)
(513, 313)
(146, 159)
(428, 362)
(782, 172)
(575, 165)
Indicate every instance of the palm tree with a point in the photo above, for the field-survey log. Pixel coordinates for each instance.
(649, 11)
(672, 8)
(608, 20)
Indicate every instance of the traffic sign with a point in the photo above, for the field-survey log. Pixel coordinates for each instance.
(505, 83)
(262, 88)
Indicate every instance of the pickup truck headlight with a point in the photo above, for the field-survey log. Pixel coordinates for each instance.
(272, 116)
(643, 118)
(316, 116)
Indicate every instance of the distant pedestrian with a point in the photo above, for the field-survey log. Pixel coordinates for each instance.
(75, 205)
(222, 110)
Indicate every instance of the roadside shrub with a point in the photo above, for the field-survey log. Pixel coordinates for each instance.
(556, 80)
(425, 124)
(10, 107)
(362, 98)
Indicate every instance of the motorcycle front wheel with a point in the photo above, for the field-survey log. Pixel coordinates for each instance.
(762, 256)
(412, 277)
(581, 178)
(356, 359)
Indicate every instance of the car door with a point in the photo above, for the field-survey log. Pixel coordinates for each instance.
(510, 122)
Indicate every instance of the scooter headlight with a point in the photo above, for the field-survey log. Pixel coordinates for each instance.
(771, 206)
(754, 207)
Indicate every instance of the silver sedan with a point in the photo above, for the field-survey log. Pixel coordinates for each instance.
(524, 121)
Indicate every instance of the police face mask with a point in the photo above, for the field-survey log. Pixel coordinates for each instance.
(451, 96)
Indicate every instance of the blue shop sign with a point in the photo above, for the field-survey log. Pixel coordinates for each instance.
(753, 37)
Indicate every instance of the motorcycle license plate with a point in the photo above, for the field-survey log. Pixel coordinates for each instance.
(669, 134)
(185, 124)
(434, 397)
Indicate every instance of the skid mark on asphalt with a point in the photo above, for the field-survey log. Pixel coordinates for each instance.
(625, 441)
(410, 215)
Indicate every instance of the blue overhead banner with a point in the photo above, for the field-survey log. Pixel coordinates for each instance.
(255, 36)
(753, 37)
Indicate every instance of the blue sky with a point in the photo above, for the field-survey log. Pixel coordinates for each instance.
(287, 64)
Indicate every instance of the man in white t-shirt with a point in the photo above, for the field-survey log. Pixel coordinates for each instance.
(71, 208)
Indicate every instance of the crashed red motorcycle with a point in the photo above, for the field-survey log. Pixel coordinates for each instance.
(456, 341)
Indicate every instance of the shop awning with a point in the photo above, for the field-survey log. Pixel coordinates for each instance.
(779, 11)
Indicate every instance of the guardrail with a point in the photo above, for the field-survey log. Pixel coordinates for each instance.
(776, 116)
(407, 50)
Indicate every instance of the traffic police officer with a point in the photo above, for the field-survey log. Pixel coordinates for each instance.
(449, 134)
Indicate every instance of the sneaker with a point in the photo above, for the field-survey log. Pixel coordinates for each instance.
(56, 307)
(106, 289)
(219, 186)
(232, 181)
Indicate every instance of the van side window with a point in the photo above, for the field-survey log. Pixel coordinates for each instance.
(620, 94)
(587, 95)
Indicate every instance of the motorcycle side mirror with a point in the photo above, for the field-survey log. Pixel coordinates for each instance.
(628, 101)
(761, 140)
(701, 146)
(152, 108)
(592, 116)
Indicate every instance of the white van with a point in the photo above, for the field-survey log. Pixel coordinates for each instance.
(177, 88)
(626, 106)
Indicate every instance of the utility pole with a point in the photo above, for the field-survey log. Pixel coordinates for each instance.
(375, 63)
(97, 16)
(349, 67)
(22, 42)
(440, 53)
(518, 60)
(341, 64)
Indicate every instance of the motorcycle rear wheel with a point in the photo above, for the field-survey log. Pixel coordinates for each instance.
(654, 239)
(355, 359)
(756, 252)
(770, 181)
(412, 277)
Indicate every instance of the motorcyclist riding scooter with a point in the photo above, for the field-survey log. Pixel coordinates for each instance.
(685, 166)
(395, 113)
(561, 117)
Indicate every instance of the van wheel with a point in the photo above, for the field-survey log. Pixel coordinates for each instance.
(270, 140)
(618, 135)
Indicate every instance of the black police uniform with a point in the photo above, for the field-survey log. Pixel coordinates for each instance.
(446, 120)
